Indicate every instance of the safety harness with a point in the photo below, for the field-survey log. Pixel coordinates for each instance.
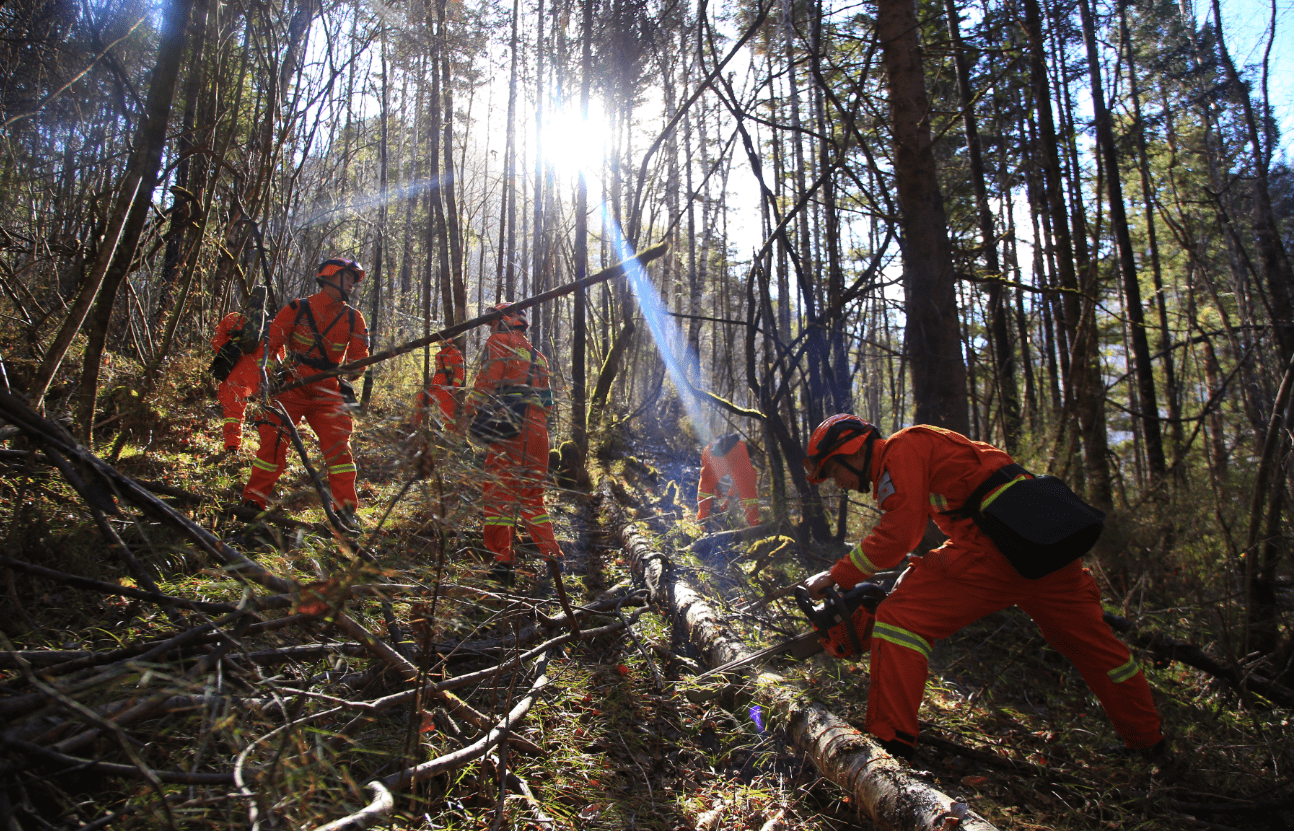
(322, 363)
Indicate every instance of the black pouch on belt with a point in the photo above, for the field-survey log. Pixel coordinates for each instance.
(347, 391)
(1038, 524)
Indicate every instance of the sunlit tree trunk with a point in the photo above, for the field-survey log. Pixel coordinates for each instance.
(379, 237)
(117, 247)
(1171, 392)
(579, 334)
(1084, 390)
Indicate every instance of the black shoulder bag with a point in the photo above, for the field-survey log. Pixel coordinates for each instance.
(1038, 524)
(504, 418)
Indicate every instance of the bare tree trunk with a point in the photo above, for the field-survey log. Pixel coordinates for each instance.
(1271, 248)
(1084, 391)
(1145, 371)
(1003, 353)
(579, 333)
(379, 238)
(184, 203)
(134, 196)
(933, 345)
(1171, 391)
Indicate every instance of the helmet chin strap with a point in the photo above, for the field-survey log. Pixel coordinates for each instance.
(345, 295)
(864, 479)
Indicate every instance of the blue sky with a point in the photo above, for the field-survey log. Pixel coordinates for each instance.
(1246, 25)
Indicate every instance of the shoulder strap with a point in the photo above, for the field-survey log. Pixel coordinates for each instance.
(996, 479)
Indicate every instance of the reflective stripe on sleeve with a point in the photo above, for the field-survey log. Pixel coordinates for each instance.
(1122, 673)
(939, 501)
(902, 637)
(860, 561)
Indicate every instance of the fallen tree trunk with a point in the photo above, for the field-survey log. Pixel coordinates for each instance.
(892, 795)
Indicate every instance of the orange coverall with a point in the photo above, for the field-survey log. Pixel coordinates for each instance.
(727, 456)
(242, 383)
(515, 469)
(917, 473)
(340, 330)
(446, 381)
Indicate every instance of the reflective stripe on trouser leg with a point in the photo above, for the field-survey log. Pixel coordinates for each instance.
(271, 458)
(1066, 605)
(233, 401)
(497, 536)
(898, 673)
(327, 416)
(514, 490)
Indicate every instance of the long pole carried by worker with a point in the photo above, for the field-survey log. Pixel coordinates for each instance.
(619, 269)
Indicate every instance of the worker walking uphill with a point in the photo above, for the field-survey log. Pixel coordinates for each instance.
(967, 488)
(319, 332)
(508, 409)
(443, 389)
(237, 366)
(726, 472)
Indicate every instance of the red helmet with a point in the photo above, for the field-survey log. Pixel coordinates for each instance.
(840, 435)
(510, 319)
(328, 268)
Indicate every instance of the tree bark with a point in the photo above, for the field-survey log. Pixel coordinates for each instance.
(1003, 353)
(933, 345)
(1145, 371)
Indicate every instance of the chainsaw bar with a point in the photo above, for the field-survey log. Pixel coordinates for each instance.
(801, 646)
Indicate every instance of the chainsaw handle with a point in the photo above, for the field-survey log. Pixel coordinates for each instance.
(805, 603)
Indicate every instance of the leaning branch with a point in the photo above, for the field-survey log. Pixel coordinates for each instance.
(450, 332)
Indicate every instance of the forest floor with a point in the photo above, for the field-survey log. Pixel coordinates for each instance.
(621, 737)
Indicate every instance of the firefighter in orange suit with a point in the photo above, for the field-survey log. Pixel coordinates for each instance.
(319, 332)
(242, 382)
(444, 388)
(922, 472)
(726, 461)
(514, 372)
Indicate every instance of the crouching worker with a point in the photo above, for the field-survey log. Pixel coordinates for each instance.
(967, 487)
(726, 472)
(319, 332)
(508, 409)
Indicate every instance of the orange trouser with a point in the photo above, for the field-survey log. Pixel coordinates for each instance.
(233, 393)
(323, 409)
(513, 492)
(955, 586)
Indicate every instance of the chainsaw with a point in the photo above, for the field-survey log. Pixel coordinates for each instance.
(842, 627)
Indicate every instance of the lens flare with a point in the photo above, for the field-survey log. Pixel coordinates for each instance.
(669, 339)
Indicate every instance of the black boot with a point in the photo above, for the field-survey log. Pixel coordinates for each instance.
(502, 573)
(898, 749)
(1158, 750)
